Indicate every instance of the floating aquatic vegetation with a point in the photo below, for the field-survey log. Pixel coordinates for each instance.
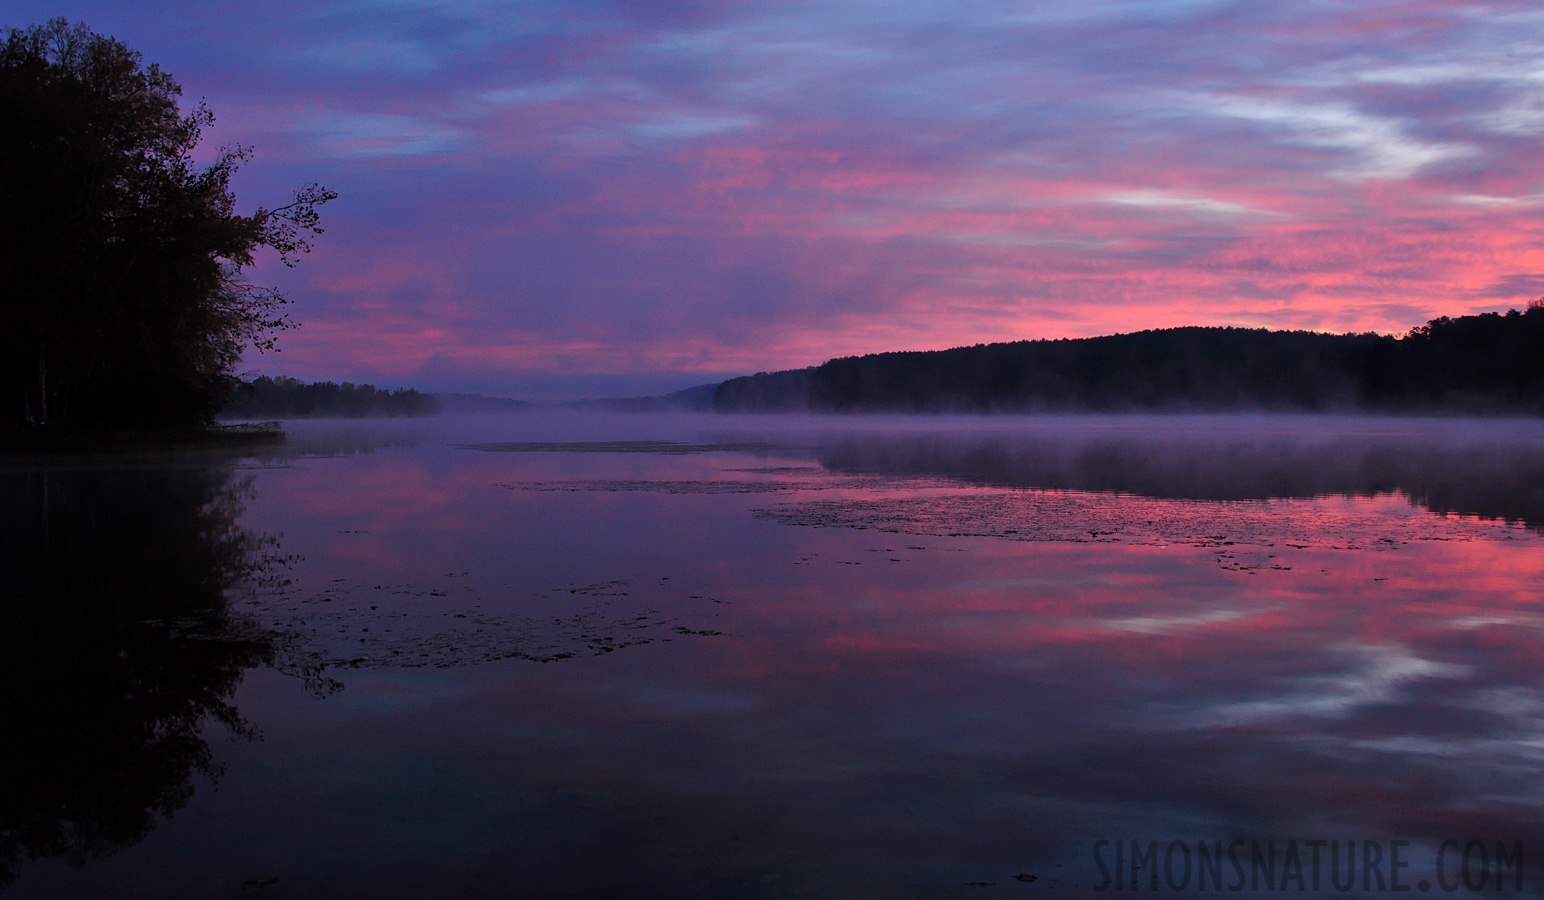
(665, 447)
(395, 625)
(1082, 517)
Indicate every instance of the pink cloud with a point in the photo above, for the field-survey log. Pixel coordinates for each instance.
(748, 188)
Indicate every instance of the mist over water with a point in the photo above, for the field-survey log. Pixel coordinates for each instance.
(708, 655)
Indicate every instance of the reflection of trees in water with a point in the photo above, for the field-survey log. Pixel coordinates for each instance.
(118, 644)
(1491, 481)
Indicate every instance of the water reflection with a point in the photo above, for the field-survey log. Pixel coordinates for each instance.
(119, 644)
(1258, 640)
(1478, 477)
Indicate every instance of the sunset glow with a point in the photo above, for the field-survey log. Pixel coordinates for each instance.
(558, 199)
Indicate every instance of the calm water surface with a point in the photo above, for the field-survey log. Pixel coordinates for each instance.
(706, 656)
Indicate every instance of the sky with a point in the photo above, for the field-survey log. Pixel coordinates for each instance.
(550, 199)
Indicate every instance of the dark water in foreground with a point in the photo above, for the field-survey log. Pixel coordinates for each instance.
(739, 657)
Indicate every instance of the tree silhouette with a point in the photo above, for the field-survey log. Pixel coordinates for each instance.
(122, 301)
(290, 398)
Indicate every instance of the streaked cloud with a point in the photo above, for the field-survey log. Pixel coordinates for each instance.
(1374, 146)
(600, 187)
(1152, 199)
(349, 134)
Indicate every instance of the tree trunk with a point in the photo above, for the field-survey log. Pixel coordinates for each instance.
(42, 385)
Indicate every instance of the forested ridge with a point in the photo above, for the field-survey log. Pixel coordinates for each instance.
(1488, 363)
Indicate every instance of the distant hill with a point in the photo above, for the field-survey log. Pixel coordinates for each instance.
(1490, 363)
(692, 398)
(477, 403)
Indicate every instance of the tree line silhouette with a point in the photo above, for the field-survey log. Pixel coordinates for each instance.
(288, 398)
(1488, 363)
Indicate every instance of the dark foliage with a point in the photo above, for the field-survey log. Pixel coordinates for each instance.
(1486, 363)
(769, 391)
(121, 297)
(290, 398)
(119, 645)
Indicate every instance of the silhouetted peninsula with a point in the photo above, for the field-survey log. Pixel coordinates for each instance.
(1490, 363)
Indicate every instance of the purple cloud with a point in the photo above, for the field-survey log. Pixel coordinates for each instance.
(661, 194)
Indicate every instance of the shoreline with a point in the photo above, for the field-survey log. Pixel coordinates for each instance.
(51, 442)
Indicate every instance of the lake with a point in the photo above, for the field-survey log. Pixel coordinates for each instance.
(587, 655)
